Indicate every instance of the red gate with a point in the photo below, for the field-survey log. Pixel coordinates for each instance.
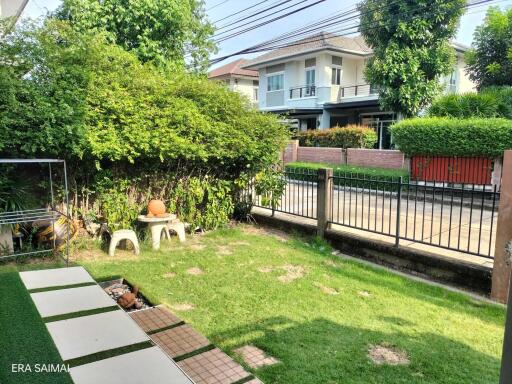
(457, 170)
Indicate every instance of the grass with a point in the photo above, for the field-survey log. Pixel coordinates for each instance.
(24, 338)
(356, 171)
(241, 297)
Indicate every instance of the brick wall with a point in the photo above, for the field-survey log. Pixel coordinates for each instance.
(321, 155)
(382, 158)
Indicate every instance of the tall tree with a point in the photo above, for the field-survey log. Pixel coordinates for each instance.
(410, 40)
(490, 60)
(167, 32)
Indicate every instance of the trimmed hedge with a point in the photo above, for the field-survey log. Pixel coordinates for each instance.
(440, 136)
(490, 102)
(351, 136)
(365, 175)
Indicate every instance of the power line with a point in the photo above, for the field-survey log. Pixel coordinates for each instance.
(239, 12)
(262, 17)
(216, 5)
(268, 45)
(270, 21)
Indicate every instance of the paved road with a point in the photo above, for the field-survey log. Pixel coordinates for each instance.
(437, 223)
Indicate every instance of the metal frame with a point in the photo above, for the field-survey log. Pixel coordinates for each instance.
(15, 217)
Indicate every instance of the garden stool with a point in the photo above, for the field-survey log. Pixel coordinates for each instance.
(157, 225)
(123, 234)
(178, 227)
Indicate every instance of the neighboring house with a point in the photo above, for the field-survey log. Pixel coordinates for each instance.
(319, 81)
(244, 81)
(12, 9)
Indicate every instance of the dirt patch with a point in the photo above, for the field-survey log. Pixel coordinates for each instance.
(331, 263)
(326, 290)
(364, 294)
(182, 307)
(279, 235)
(293, 272)
(224, 250)
(238, 243)
(195, 271)
(255, 357)
(197, 247)
(383, 354)
(169, 275)
(265, 269)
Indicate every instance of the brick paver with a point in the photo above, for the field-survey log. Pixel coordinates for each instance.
(180, 340)
(154, 318)
(255, 357)
(255, 381)
(213, 367)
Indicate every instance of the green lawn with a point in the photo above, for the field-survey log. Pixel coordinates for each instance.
(244, 297)
(23, 336)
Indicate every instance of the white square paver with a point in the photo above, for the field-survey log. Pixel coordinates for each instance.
(63, 301)
(85, 335)
(47, 278)
(147, 366)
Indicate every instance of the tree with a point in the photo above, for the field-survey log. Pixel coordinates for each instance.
(410, 41)
(490, 60)
(162, 31)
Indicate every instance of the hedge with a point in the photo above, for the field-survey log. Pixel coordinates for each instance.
(438, 136)
(365, 175)
(490, 102)
(352, 136)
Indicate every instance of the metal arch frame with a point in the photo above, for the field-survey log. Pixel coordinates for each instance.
(40, 213)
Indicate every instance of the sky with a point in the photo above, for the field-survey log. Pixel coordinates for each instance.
(217, 9)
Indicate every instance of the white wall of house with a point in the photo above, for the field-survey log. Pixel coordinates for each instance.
(244, 86)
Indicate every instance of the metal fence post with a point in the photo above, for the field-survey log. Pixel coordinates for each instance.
(324, 200)
(398, 206)
(501, 268)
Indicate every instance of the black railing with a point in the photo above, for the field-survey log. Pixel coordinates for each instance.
(300, 92)
(298, 197)
(358, 90)
(461, 219)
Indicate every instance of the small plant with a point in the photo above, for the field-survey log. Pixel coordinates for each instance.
(270, 185)
(119, 211)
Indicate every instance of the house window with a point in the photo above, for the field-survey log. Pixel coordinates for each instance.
(255, 94)
(275, 82)
(452, 81)
(310, 82)
(336, 76)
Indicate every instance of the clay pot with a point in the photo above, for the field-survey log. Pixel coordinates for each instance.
(156, 207)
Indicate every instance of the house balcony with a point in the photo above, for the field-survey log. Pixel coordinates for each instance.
(302, 91)
(356, 92)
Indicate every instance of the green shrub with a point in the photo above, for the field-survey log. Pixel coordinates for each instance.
(352, 136)
(490, 102)
(361, 176)
(157, 133)
(453, 137)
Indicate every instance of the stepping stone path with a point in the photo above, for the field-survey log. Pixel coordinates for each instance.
(255, 357)
(79, 335)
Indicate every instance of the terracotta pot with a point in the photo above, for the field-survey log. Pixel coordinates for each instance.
(156, 207)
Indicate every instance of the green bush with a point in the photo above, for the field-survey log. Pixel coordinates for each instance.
(440, 136)
(158, 133)
(490, 102)
(351, 136)
(361, 176)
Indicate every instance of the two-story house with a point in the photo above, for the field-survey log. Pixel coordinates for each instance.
(238, 79)
(319, 81)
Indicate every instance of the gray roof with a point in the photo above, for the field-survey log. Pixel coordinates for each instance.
(322, 41)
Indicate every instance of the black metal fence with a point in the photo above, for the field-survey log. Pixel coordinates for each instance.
(461, 218)
(458, 217)
(298, 197)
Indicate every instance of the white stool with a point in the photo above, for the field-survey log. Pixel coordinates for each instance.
(178, 227)
(156, 229)
(120, 235)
